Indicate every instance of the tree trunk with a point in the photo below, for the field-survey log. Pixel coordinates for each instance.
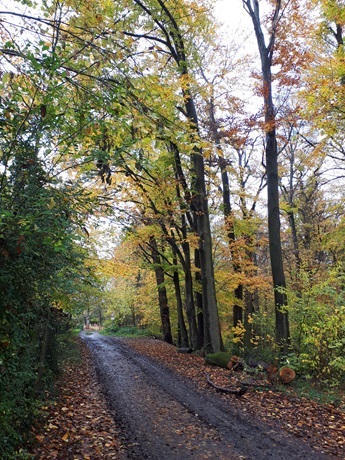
(198, 300)
(212, 336)
(194, 329)
(162, 294)
(182, 341)
(43, 352)
(248, 312)
(282, 322)
(190, 307)
(275, 249)
(184, 258)
(228, 218)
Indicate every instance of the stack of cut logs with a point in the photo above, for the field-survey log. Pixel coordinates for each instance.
(284, 374)
(247, 369)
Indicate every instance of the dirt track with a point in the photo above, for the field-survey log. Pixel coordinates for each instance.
(162, 416)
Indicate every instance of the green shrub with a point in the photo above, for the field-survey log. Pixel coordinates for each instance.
(126, 331)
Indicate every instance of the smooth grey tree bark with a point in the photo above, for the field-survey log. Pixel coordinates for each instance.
(171, 37)
(275, 247)
(162, 293)
(182, 333)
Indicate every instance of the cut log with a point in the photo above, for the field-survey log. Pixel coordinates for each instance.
(233, 391)
(287, 374)
(272, 372)
(235, 364)
(184, 350)
(261, 365)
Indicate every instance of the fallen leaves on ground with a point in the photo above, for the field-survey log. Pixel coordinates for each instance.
(321, 425)
(78, 426)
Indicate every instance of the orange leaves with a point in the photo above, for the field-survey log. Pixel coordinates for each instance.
(65, 437)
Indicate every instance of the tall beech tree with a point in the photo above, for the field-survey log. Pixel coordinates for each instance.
(223, 163)
(162, 294)
(168, 31)
(232, 132)
(266, 46)
(157, 208)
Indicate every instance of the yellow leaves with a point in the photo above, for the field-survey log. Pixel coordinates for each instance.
(185, 81)
(334, 11)
(193, 240)
(238, 332)
(65, 437)
(255, 340)
(324, 93)
(51, 204)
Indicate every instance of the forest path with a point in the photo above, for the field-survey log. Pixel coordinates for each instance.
(163, 416)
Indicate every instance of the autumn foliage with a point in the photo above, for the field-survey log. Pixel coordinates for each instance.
(157, 176)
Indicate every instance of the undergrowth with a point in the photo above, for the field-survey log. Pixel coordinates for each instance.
(20, 403)
(127, 331)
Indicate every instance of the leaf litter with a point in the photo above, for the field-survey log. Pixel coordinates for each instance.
(321, 425)
(79, 425)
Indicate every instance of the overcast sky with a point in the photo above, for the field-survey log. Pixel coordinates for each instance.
(231, 12)
(237, 25)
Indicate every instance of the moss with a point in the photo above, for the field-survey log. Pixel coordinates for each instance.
(220, 359)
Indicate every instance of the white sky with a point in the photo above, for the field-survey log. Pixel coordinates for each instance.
(231, 12)
(237, 25)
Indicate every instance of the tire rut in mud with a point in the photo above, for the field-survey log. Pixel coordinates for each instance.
(163, 416)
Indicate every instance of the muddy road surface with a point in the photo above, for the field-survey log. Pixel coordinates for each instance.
(163, 417)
